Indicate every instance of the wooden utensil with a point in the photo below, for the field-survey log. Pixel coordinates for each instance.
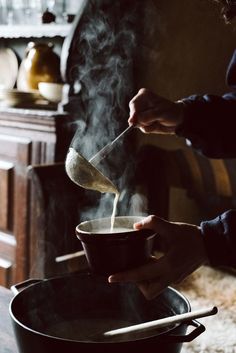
(167, 321)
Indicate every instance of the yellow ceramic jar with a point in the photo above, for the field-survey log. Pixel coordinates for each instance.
(40, 64)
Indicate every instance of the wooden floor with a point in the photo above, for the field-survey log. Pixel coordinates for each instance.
(7, 340)
(204, 288)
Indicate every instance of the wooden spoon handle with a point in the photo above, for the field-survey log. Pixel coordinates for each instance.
(162, 322)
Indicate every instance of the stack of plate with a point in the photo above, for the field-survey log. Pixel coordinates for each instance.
(16, 98)
(8, 68)
(9, 96)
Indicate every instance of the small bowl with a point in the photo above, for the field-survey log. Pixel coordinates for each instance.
(51, 91)
(111, 252)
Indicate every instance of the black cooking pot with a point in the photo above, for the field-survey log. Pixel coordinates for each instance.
(67, 314)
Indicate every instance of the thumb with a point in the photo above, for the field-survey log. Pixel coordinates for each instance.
(133, 118)
(152, 222)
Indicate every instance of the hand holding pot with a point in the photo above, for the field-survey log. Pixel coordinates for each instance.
(155, 114)
(183, 252)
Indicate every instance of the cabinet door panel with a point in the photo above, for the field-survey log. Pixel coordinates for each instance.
(28, 139)
(9, 146)
(7, 258)
(15, 156)
(5, 272)
(6, 185)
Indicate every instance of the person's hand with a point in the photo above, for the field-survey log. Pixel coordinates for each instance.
(183, 252)
(155, 114)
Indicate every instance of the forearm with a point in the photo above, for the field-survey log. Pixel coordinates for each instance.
(219, 237)
(209, 124)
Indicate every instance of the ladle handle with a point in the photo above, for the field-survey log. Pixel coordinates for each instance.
(129, 128)
(108, 148)
(162, 322)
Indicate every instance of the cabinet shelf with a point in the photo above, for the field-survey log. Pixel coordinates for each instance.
(37, 31)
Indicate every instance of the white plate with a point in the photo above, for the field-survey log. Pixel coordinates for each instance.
(8, 68)
(14, 97)
(7, 93)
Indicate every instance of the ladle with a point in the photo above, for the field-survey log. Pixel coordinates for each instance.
(167, 321)
(108, 148)
(84, 173)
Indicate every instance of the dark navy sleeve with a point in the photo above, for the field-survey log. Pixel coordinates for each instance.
(210, 120)
(209, 125)
(219, 237)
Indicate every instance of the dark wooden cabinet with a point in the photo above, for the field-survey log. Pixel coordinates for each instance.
(33, 146)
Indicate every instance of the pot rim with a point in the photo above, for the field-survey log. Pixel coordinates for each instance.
(129, 231)
(158, 335)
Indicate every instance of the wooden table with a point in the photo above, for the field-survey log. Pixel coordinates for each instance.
(7, 340)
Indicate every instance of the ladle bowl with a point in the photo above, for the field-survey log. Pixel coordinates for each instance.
(84, 174)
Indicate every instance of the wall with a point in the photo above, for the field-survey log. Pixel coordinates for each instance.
(19, 45)
(185, 49)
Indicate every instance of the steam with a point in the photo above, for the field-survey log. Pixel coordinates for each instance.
(104, 71)
(106, 48)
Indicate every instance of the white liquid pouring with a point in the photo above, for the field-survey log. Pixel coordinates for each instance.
(113, 215)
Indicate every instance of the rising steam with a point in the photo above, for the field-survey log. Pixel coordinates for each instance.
(105, 49)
